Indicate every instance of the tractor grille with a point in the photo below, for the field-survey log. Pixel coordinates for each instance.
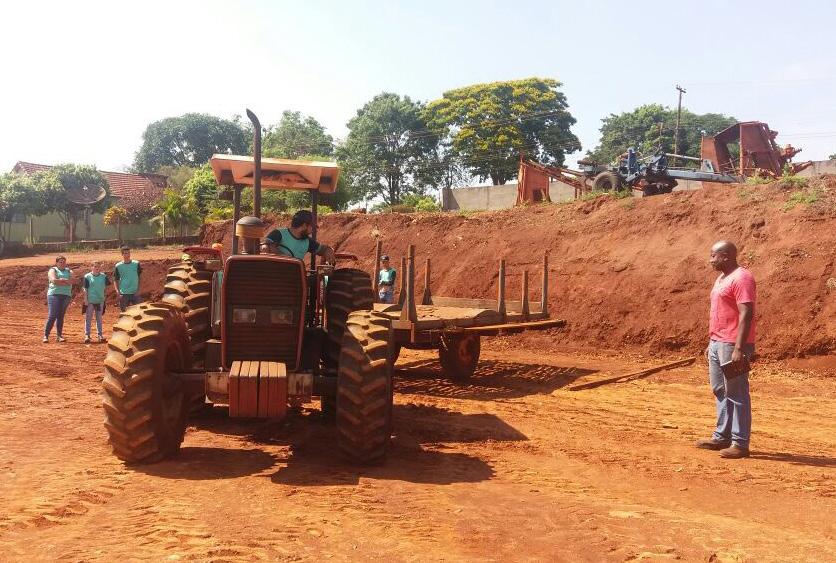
(263, 309)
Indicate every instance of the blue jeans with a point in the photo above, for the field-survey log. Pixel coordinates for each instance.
(57, 305)
(386, 294)
(734, 406)
(126, 300)
(91, 309)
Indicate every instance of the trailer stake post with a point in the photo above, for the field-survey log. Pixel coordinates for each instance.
(525, 310)
(409, 312)
(402, 291)
(427, 299)
(500, 305)
(544, 298)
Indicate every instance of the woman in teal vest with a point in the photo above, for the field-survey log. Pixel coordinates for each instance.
(58, 296)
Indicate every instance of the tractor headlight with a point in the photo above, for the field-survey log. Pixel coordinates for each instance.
(282, 316)
(243, 316)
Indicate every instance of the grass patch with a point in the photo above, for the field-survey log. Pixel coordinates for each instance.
(802, 197)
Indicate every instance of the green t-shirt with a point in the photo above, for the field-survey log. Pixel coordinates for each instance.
(95, 286)
(55, 289)
(127, 274)
(289, 245)
(387, 277)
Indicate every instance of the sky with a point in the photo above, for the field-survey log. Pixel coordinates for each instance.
(80, 81)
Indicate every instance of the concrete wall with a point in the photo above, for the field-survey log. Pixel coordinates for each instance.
(820, 167)
(49, 229)
(492, 198)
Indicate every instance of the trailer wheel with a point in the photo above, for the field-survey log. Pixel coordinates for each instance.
(145, 408)
(364, 389)
(459, 355)
(606, 182)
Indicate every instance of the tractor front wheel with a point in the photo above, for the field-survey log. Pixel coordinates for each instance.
(459, 355)
(364, 389)
(146, 406)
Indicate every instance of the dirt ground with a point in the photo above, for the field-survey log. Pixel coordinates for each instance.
(511, 466)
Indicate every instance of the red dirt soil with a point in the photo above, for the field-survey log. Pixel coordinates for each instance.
(629, 272)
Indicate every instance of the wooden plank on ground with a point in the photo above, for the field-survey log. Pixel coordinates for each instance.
(632, 376)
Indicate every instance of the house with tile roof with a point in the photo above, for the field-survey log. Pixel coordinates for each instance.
(135, 192)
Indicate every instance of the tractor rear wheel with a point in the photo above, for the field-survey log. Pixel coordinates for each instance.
(459, 355)
(190, 291)
(145, 406)
(364, 389)
(606, 182)
(349, 290)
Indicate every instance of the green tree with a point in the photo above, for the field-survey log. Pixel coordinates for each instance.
(640, 129)
(61, 183)
(202, 189)
(489, 125)
(19, 195)
(387, 148)
(177, 175)
(832, 157)
(189, 140)
(176, 210)
(296, 136)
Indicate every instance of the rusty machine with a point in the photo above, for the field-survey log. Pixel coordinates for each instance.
(743, 150)
(262, 332)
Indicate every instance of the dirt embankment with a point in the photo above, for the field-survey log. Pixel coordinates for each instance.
(629, 272)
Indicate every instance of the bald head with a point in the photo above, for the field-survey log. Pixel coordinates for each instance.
(723, 256)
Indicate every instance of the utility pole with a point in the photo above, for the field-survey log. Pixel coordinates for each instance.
(678, 116)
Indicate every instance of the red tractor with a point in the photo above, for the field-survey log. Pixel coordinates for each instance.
(261, 332)
(258, 332)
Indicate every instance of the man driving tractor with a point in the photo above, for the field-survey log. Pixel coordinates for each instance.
(296, 240)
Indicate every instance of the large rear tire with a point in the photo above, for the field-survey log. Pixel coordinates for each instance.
(364, 389)
(606, 182)
(459, 355)
(190, 290)
(145, 408)
(349, 290)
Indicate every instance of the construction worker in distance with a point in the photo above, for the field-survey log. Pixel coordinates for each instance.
(296, 240)
(386, 281)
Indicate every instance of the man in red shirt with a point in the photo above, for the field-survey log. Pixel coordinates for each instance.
(732, 339)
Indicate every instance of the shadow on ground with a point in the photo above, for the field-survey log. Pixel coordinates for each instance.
(309, 453)
(494, 379)
(796, 459)
(204, 463)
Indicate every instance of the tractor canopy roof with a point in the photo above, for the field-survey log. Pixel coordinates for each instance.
(276, 173)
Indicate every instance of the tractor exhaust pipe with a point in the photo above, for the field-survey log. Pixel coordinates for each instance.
(251, 229)
(256, 163)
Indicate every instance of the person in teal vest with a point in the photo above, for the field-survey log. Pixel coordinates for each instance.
(126, 273)
(386, 281)
(296, 241)
(58, 296)
(95, 283)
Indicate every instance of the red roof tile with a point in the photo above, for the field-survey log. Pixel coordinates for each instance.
(142, 190)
